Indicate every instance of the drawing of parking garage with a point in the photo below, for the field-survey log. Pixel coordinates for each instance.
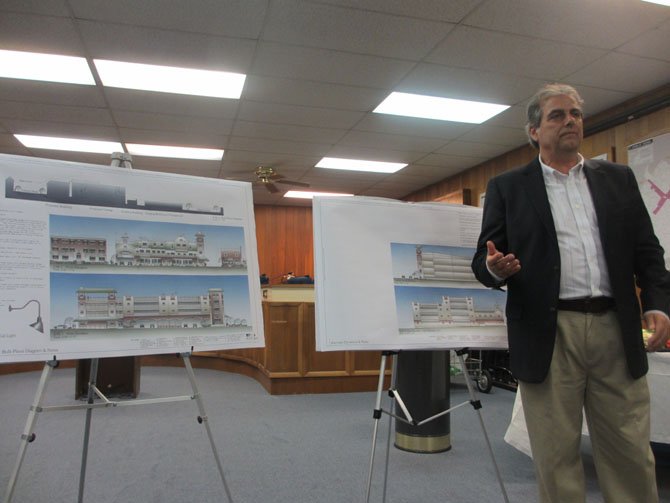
(103, 308)
(454, 311)
(436, 266)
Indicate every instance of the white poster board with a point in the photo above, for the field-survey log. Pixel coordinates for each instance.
(97, 261)
(392, 275)
(650, 161)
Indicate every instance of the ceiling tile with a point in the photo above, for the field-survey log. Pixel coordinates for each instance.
(324, 65)
(272, 113)
(496, 135)
(655, 43)
(50, 93)
(468, 47)
(353, 30)
(397, 125)
(465, 84)
(391, 141)
(287, 132)
(277, 146)
(45, 7)
(571, 21)
(169, 48)
(51, 35)
(55, 113)
(316, 94)
(230, 17)
(177, 138)
(623, 72)
(424, 9)
(177, 104)
(167, 122)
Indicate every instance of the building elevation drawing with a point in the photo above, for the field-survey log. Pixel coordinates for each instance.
(441, 266)
(455, 311)
(104, 308)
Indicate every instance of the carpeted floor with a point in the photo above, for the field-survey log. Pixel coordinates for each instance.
(275, 449)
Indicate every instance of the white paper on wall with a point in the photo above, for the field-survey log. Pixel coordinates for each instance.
(650, 161)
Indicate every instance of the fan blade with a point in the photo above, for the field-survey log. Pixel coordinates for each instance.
(271, 187)
(292, 182)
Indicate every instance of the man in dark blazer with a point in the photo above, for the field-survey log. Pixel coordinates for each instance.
(570, 239)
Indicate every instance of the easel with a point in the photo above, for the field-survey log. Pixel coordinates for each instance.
(29, 435)
(119, 159)
(395, 397)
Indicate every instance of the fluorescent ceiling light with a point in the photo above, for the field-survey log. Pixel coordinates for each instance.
(71, 144)
(360, 165)
(47, 67)
(309, 195)
(434, 107)
(168, 79)
(209, 154)
(660, 2)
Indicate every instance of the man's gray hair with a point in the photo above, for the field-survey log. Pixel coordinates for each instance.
(534, 109)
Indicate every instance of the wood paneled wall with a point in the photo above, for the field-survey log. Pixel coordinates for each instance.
(285, 241)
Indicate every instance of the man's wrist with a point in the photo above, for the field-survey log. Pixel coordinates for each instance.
(494, 275)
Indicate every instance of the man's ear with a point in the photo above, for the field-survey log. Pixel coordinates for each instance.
(533, 133)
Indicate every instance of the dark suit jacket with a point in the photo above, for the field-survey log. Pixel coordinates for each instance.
(517, 218)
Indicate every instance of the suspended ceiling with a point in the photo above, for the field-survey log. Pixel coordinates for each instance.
(316, 70)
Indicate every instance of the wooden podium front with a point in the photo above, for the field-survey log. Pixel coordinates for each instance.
(289, 362)
(118, 376)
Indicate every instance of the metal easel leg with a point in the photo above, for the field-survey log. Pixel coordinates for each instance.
(394, 374)
(476, 404)
(28, 436)
(377, 414)
(203, 419)
(93, 377)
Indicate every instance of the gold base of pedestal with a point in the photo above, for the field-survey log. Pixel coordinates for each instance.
(423, 444)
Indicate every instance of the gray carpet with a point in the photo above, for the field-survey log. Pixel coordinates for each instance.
(292, 449)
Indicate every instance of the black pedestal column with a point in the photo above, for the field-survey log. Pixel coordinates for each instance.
(422, 381)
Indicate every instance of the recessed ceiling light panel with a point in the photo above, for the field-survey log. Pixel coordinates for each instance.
(169, 79)
(434, 107)
(45, 67)
(310, 195)
(209, 154)
(69, 144)
(360, 165)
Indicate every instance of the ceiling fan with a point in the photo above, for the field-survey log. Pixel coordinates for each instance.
(268, 176)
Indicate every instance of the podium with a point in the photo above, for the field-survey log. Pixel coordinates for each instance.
(118, 376)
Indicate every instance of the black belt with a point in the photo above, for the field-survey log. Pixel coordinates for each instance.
(595, 305)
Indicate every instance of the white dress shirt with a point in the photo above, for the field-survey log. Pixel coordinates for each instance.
(583, 267)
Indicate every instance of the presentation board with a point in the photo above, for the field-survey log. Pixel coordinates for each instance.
(393, 275)
(98, 261)
(650, 161)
